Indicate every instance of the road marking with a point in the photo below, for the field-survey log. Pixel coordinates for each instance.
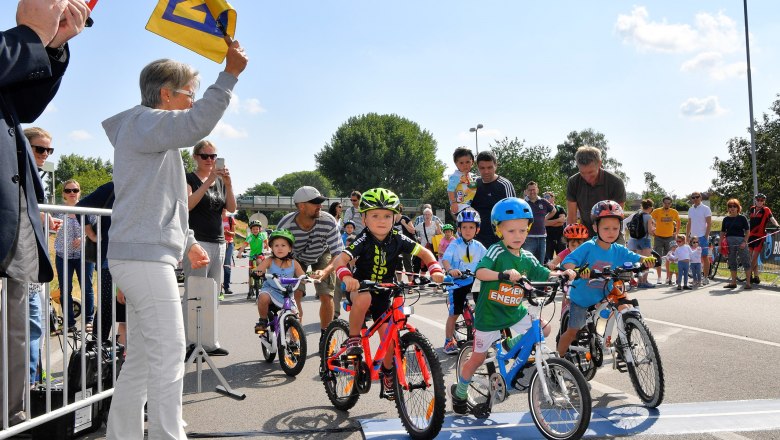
(729, 436)
(713, 332)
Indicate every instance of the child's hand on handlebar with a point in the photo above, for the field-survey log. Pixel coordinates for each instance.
(570, 274)
(585, 273)
(351, 284)
(514, 276)
(455, 273)
(648, 261)
(437, 277)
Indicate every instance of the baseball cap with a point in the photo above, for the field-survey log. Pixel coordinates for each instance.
(308, 194)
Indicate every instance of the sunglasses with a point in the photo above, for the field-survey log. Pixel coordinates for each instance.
(40, 150)
(695, 197)
(207, 156)
(354, 200)
(732, 206)
(71, 190)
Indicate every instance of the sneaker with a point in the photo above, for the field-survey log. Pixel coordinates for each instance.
(755, 280)
(679, 287)
(228, 292)
(687, 288)
(261, 325)
(659, 282)
(388, 383)
(706, 281)
(218, 352)
(459, 406)
(669, 282)
(646, 286)
(354, 346)
(221, 296)
(450, 346)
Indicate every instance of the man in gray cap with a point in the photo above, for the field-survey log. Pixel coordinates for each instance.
(317, 241)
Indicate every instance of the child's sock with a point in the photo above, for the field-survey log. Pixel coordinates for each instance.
(463, 387)
(511, 342)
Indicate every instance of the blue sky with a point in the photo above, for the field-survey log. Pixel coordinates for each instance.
(663, 80)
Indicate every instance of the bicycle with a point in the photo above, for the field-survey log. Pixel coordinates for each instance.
(255, 279)
(284, 333)
(634, 350)
(419, 382)
(464, 325)
(558, 394)
(718, 257)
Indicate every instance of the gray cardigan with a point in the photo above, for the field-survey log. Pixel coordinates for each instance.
(149, 219)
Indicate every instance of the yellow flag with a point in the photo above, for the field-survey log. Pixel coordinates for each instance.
(198, 25)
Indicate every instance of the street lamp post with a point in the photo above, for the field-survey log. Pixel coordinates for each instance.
(476, 138)
(750, 104)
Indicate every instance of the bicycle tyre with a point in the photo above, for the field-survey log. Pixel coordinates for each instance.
(479, 388)
(292, 357)
(642, 376)
(588, 373)
(577, 401)
(267, 355)
(339, 387)
(422, 407)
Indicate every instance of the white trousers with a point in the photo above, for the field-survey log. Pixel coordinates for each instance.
(153, 372)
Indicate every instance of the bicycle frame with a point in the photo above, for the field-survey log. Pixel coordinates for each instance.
(396, 318)
(287, 286)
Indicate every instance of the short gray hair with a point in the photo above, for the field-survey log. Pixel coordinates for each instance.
(587, 155)
(164, 73)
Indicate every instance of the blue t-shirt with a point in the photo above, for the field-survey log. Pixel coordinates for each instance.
(456, 255)
(586, 293)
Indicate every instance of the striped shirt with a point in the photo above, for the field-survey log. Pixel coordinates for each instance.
(311, 244)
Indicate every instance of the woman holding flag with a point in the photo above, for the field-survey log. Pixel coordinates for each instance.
(149, 234)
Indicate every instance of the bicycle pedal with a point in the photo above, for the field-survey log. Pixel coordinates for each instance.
(620, 365)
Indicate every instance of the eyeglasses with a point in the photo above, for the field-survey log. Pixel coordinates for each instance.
(187, 93)
(680, 241)
(732, 206)
(354, 200)
(41, 150)
(695, 197)
(547, 197)
(71, 190)
(207, 156)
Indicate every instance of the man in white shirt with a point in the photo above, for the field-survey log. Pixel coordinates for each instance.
(699, 225)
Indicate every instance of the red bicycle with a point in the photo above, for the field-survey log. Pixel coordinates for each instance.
(420, 397)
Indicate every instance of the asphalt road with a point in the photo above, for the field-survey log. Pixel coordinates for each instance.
(716, 346)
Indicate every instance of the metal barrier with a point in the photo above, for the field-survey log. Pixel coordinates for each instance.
(49, 356)
(769, 258)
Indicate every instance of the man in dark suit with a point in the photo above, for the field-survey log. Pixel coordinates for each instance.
(33, 58)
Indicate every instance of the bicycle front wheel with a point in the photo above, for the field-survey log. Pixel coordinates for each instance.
(566, 413)
(421, 405)
(292, 356)
(647, 374)
(340, 387)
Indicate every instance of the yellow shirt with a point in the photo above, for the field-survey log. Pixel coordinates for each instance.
(665, 221)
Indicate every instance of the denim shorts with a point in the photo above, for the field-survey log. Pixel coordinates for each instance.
(638, 244)
(578, 316)
(704, 244)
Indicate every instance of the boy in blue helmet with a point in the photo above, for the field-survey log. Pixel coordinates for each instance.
(499, 304)
(600, 252)
(464, 253)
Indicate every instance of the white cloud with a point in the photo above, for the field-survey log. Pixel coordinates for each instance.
(712, 63)
(79, 135)
(698, 108)
(251, 106)
(708, 33)
(228, 131)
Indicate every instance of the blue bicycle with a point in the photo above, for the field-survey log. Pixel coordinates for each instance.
(558, 394)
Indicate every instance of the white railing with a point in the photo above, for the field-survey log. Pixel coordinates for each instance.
(55, 358)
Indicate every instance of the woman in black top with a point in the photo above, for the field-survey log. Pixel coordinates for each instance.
(209, 191)
(735, 230)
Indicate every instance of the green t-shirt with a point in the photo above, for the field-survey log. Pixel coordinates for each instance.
(500, 303)
(256, 243)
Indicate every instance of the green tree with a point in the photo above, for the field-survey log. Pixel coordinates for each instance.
(521, 164)
(73, 164)
(261, 189)
(735, 174)
(577, 139)
(290, 182)
(189, 162)
(436, 195)
(374, 150)
(653, 189)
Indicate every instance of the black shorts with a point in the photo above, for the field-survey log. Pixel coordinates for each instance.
(758, 243)
(380, 303)
(457, 298)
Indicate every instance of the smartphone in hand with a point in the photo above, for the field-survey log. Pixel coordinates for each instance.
(220, 163)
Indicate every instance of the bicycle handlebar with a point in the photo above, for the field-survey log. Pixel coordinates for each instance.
(535, 289)
(284, 282)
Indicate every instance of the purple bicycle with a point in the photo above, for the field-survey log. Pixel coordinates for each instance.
(284, 333)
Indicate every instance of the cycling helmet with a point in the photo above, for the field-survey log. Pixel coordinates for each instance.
(448, 227)
(760, 196)
(577, 231)
(349, 222)
(379, 198)
(469, 216)
(254, 223)
(282, 233)
(510, 208)
(606, 209)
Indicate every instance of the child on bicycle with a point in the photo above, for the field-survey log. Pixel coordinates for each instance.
(464, 253)
(499, 304)
(257, 240)
(575, 235)
(349, 229)
(607, 216)
(449, 235)
(462, 184)
(282, 264)
(376, 249)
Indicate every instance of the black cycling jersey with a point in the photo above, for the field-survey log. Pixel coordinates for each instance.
(376, 261)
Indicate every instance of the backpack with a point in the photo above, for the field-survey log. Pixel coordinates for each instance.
(636, 227)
